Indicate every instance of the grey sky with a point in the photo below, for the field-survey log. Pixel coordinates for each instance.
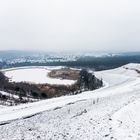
(100, 25)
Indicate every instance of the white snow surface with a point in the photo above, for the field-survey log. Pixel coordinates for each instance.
(9, 94)
(126, 122)
(111, 112)
(37, 75)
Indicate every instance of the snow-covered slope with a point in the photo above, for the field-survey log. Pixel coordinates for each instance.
(126, 122)
(111, 112)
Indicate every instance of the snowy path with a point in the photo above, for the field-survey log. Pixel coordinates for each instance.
(89, 116)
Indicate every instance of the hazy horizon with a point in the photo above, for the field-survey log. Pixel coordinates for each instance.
(69, 52)
(76, 25)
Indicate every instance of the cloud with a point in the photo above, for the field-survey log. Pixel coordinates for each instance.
(102, 25)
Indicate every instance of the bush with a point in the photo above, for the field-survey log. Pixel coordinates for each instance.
(34, 94)
(44, 95)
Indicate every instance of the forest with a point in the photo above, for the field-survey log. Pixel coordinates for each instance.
(96, 63)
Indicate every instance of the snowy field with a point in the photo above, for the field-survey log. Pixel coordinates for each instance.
(109, 113)
(37, 75)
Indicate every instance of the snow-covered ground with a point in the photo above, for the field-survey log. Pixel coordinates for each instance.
(111, 112)
(126, 122)
(9, 94)
(37, 75)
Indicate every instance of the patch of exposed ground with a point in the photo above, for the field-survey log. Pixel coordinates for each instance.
(65, 73)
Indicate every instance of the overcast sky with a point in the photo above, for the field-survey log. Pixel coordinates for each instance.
(100, 25)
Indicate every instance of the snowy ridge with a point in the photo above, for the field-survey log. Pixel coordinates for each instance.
(111, 112)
